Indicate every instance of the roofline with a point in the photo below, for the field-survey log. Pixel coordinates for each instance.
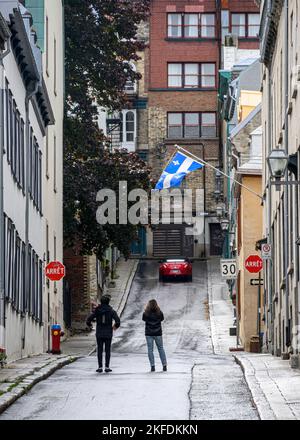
(243, 123)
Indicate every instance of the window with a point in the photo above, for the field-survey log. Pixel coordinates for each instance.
(253, 25)
(192, 25)
(47, 45)
(175, 25)
(55, 68)
(10, 126)
(208, 75)
(225, 23)
(192, 75)
(130, 86)
(14, 139)
(208, 26)
(208, 125)
(40, 198)
(245, 25)
(54, 164)
(191, 125)
(15, 292)
(175, 125)
(238, 24)
(35, 165)
(175, 75)
(129, 127)
(22, 154)
(47, 153)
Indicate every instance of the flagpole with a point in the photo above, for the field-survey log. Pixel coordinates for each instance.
(217, 169)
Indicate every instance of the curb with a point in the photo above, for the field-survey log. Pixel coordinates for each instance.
(125, 295)
(210, 309)
(27, 382)
(259, 399)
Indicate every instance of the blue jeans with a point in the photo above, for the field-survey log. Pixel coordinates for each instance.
(159, 344)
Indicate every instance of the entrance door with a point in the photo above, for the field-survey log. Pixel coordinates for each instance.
(216, 239)
(139, 247)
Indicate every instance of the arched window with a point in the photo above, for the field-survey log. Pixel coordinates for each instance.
(130, 122)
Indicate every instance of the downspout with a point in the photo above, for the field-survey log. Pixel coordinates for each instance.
(271, 322)
(29, 96)
(286, 194)
(2, 231)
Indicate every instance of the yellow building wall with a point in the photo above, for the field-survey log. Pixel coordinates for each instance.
(249, 99)
(251, 232)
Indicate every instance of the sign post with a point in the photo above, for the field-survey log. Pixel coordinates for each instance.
(254, 264)
(55, 271)
(229, 269)
(266, 251)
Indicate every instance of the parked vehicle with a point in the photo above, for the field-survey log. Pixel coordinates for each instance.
(176, 269)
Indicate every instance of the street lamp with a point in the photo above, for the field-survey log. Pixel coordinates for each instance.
(278, 162)
(219, 210)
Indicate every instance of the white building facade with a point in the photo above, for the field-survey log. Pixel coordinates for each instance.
(30, 208)
(280, 51)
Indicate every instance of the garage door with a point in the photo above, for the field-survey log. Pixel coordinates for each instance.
(171, 241)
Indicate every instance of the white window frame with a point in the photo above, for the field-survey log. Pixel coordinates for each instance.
(130, 146)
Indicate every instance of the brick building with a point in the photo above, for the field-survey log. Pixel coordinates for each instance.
(185, 54)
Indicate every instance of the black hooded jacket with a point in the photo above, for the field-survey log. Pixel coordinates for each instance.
(153, 323)
(104, 315)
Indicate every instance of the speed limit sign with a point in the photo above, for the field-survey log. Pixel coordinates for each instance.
(229, 269)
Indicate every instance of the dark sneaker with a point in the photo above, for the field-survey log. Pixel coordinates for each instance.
(100, 370)
(152, 369)
(108, 370)
(164, 368)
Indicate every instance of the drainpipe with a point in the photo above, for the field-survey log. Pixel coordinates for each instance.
(271, 322)
(2, 232)
(29, 96)
(286, 194)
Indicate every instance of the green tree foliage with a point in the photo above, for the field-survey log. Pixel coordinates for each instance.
(100, 40)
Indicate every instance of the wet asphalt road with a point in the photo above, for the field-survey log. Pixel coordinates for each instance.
(198, 384)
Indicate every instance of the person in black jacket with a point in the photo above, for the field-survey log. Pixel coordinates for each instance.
(153, 318)
(104, 315)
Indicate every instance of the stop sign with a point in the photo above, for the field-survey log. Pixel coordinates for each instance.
(55, 271)
(254, 264)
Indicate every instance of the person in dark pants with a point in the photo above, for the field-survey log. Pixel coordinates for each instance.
(153, 318)
(104, 315)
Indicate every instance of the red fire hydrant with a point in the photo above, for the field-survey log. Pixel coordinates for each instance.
(56, 334)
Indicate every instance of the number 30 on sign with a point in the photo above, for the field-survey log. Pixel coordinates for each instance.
(229, 269)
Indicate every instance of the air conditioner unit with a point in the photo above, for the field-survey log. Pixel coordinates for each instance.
(230, 40)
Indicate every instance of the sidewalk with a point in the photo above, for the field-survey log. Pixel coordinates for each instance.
(275, 387)
(220, 308)
(20, 376)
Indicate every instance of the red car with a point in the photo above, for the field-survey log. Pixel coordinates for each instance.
(176, 268)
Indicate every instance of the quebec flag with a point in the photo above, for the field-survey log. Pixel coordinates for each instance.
(175, 172)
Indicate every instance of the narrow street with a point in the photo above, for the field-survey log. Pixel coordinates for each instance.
(198, 384)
